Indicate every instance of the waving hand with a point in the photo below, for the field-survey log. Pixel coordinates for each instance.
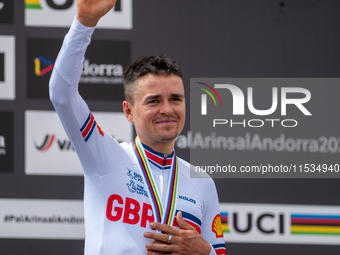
(90, 11)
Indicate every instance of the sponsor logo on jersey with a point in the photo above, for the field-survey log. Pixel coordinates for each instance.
(217, 226)
(266, 223)
(133, 185)
(137, 188)
(60, 13)
(187, 199)
(134, 176)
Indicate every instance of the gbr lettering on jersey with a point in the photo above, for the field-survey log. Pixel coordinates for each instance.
(130, 203)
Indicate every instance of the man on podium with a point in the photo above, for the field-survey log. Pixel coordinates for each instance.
(169, 212)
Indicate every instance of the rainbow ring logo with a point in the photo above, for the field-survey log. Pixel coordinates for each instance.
(37, 69)
(204, 97)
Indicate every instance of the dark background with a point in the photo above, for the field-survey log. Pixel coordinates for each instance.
(2, 67)
(6, 13)
(6, 161)
(208, 38)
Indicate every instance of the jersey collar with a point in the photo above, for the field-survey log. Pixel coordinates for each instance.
(158, 159)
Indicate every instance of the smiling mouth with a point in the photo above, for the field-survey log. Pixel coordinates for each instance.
(166, 121)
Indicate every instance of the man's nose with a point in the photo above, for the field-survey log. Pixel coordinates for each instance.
(166, 107)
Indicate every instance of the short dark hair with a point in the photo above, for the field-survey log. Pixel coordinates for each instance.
(158, 65)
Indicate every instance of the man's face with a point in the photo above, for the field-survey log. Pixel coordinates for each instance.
(158, 111)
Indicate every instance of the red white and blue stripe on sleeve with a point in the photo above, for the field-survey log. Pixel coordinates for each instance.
(196, 223)
(219, 248)
(191, 219)
(88, 127)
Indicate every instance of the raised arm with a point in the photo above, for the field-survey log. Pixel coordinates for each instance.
(71, 108)
(66, 74)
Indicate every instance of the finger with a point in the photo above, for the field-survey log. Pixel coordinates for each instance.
(159, 247)
(165, 228)
(182, 223)
(150, 252)
(157, 236)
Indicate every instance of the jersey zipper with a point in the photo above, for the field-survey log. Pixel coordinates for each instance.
(164, 159)
(162, 178)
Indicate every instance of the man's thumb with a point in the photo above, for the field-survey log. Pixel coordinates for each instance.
(182, 223)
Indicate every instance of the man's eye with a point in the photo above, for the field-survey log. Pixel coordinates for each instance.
(153, 101)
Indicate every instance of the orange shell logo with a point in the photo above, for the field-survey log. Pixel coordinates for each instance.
(217, 226)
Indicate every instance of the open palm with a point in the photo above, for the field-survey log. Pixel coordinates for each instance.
(90, 11)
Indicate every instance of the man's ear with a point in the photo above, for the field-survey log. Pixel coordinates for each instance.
(128, 110)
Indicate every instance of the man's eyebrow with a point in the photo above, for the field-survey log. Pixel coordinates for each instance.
(177, 95)
(153, 97)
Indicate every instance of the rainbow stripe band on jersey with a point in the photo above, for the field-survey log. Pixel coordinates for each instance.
(158, 209)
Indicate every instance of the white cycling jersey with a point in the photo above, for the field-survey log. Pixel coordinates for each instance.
(117, 207)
